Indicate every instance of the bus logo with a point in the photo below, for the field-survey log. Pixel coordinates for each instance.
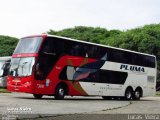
(132, 68)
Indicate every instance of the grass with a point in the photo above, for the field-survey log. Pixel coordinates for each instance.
(4, 90)
(158, 93)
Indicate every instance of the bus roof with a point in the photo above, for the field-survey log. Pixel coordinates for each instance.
(81, 41)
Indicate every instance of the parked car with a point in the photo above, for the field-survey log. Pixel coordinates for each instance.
(4, 68)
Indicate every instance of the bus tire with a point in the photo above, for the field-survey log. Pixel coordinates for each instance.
(59, 92)
(128, 94)
(137, 94)
(37, 96)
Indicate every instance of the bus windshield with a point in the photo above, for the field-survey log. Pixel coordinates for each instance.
(28, 45)
(22, 66)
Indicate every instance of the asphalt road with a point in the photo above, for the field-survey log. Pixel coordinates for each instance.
(25, 104)
(147, 105)
(74, 108)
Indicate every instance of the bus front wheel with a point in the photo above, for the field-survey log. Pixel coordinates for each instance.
(37, 96)
(60, 92)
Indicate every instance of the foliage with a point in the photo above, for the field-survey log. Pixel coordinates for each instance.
(4, 90)
(7, 45)
(89, 34)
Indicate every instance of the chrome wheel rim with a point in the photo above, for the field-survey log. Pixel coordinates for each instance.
(61, 92)
(128, 95)
(137, 94)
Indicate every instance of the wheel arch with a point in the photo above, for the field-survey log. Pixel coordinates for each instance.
(129, 87)
(65, 87)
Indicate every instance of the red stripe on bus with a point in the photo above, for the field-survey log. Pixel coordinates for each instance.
(25, 55)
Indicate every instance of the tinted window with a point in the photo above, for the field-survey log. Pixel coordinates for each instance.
(102, 52)
(49, 54)
(79, 74)
(92, 51)
(150, 61)
(113, 77)
(92, 75)
(75, 48)
(143, 60)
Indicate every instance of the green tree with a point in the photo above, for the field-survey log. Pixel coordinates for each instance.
(89, 34)
(7, 45)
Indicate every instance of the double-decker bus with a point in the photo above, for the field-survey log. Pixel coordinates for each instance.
(59, 66)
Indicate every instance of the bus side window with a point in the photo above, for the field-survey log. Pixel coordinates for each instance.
(92, 51)
(49, 47)
(74, 49)
(48, 56)
(101, 52)
(78, 49)
(68, 48)
(112, 77)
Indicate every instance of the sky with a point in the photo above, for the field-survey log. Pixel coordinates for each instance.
(19, 18)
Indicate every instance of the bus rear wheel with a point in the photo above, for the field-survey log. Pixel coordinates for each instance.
(128, 94)
(137, 94)
(60, 92)
(37, 96)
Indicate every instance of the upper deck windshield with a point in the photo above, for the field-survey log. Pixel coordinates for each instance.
(28, 45)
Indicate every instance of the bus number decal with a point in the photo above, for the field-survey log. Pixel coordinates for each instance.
(40, 86)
